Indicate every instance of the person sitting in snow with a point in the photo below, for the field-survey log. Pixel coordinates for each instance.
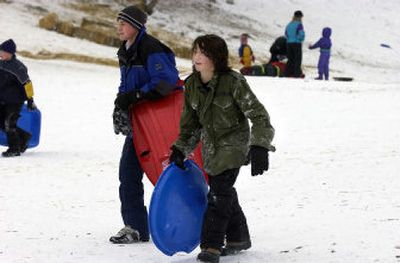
(245, 51)
(218, 103)
(15, 88)
(278, 50)
(324, 44)
(148, 72)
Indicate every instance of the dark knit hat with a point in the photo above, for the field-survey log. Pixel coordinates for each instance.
(134, 16)
(8, 46)
(298, 14)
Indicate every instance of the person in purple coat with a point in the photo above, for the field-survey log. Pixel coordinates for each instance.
(324, 44)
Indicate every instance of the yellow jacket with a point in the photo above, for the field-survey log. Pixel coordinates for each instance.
(246, 55)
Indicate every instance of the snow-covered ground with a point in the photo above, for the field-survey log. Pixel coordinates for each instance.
(331, 195)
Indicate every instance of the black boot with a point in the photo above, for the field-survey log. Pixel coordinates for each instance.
(233, 248)
(11, 152)
(13, 144)
(209, 255)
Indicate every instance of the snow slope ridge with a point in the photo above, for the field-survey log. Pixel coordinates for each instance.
(359, 29)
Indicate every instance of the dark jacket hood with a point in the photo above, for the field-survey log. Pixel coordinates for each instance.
(326, 32)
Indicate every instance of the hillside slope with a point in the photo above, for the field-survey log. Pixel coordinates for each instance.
(359, 29)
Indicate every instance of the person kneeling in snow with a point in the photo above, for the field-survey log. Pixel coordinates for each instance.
(218, 104)
(278, 50)
(324, 44)
(15, 88)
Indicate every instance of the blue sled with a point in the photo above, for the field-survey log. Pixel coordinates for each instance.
(177, 207)
(29, 121)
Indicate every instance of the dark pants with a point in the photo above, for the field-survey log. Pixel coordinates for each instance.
(224, 217)
(131, 192)
(9, 115)
(294, 55)
(323, 65)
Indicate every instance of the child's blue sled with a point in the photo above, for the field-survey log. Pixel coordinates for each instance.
(29, 121)
(177, 207)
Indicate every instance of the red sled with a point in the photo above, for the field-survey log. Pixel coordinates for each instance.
(155, 128)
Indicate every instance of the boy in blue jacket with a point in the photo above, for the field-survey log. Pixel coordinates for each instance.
(148, 72)
(15, 88)
(324, 44)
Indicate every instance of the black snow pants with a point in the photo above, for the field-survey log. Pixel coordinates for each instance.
(9, 115)
(294, 55)
(224, 218)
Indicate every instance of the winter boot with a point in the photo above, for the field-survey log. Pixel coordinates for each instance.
(233, 248)
(126, 235)
(210, 255)
(11, 152)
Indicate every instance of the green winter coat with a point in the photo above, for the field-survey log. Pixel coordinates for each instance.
(218, 118)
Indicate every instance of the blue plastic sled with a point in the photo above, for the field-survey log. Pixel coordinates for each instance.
(177, 207)
(29, 121)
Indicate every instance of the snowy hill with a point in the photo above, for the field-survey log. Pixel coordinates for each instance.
(359, 29)
(331, 194)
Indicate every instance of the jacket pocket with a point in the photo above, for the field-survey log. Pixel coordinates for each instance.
(225, 113)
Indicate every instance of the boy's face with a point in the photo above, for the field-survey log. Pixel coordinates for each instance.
(201, 62)
(243, 40)
(126, 31)
(5, 55)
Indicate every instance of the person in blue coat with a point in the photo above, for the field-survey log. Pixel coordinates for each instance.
(295, 35)
(148, 72)
(15, 88)
(324, 44)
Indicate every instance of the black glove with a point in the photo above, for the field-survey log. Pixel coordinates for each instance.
(259, 160)
(121, 122)
(151, 95)
(31, 105)
(177, 157)
(124, 100)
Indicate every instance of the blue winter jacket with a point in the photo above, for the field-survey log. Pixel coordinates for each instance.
(295, 32)
(13, 77)
(324, 43)
(148, 65)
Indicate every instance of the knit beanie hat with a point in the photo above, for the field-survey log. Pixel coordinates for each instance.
(298, 14)
(8, 46)
(134, 16)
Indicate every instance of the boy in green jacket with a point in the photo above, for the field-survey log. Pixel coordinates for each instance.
(218, 102)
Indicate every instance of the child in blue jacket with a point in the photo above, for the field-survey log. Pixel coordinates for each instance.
(295, 35)
(148, 72)
(15, 88)
(325, 44)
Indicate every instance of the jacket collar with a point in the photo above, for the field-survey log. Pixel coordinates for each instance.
(212, 84)
(126, 56)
